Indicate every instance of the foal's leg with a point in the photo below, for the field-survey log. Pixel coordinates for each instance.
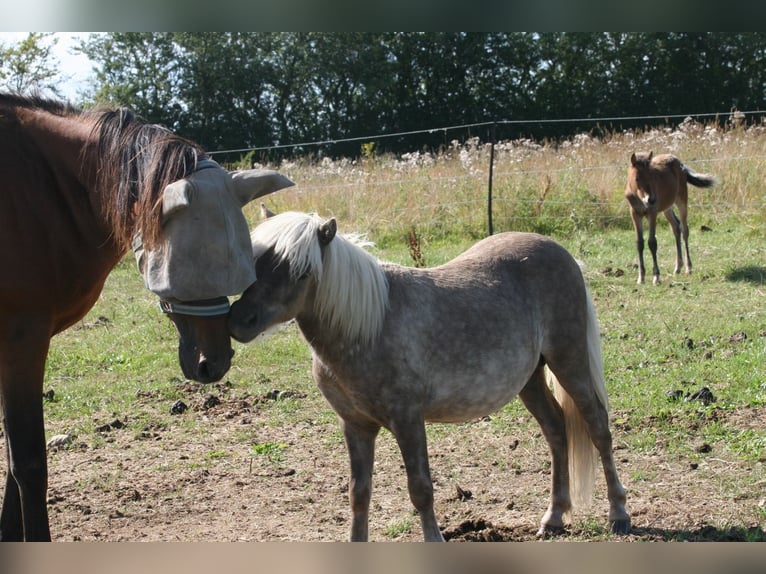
(410, 432)
(683, 221)
(675, 227)
(652, 218)
(540, 402)
(360, 441)
(638, 225)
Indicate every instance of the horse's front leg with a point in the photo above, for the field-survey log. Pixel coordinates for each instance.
(25, 514)
(410, 432)
(675, 227)
(539, 400)
(360, 441)
(638, 226)
(652, 218)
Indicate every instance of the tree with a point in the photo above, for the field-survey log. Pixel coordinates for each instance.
(29, 65)
(142, 70)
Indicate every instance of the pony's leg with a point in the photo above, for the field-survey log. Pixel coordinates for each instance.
(410, 432)
(579, 387)
(360, 441)
(21, 383)
(540, 402)
(652, 218)
(638, 225)
(675, 227)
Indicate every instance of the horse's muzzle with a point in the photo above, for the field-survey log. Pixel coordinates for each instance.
(204, 345)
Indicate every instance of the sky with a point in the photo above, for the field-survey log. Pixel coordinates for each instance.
(75, 68)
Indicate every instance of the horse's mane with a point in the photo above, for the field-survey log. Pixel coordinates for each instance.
(352, 291)
(137, 161)
(37, 101)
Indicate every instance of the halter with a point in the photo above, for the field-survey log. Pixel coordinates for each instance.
(203, 308)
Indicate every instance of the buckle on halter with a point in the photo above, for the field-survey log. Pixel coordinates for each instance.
(203, 308)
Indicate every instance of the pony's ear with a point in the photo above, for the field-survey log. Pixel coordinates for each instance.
(252, 183)
(327, 231)
(649, 157)
(633, 159)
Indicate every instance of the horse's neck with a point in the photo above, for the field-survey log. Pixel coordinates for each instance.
(67, 146)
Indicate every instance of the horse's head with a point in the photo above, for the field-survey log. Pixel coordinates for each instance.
(283, 286)
(204, 255)
(639, 178)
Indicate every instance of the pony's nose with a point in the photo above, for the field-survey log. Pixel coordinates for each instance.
(652, 199)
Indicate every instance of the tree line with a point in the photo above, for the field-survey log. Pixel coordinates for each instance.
(232, 90)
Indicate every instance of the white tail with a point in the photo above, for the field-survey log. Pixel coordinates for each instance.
(583, 456)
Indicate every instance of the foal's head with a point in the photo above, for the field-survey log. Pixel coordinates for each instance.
(640, 180)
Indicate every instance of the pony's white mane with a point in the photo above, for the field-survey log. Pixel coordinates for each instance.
(352, 291)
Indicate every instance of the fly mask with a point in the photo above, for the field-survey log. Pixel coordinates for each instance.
(205, 253)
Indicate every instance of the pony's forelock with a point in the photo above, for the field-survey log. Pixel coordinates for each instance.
(352, 291)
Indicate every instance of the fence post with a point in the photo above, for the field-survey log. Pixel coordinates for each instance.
(491, 169)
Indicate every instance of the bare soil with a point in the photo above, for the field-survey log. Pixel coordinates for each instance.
(164, 484)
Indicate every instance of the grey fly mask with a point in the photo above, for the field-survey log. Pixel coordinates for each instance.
(205, 252)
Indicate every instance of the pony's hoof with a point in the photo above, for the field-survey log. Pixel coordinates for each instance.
(656, 280)
(547, 531)
(620, 527)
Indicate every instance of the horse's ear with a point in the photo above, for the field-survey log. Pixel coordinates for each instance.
(633, 159)
(176, 196)
(649, 157)
(327, 231)
(252, 183)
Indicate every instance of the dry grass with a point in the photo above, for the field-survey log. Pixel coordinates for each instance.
(553, 188)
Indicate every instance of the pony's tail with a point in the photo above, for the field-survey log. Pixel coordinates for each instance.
(698, 179)
(583, 456)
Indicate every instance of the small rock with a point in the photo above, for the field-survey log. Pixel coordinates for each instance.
(463, 494)
(704, 447)
(179, 407)
(705, 395)
(210, 402)
(59, 441)
(675, 395)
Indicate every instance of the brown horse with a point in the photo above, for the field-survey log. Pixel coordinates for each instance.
(397, 346)
(78, 189)
(655, 184)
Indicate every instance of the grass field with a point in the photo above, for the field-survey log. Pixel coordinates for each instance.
(662, 345)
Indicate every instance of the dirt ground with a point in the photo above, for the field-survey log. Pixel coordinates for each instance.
(164, 485)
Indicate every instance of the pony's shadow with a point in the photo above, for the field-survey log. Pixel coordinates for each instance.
(754, 274)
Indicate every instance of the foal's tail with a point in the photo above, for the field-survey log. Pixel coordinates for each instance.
(698, 179)
(583, 456)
